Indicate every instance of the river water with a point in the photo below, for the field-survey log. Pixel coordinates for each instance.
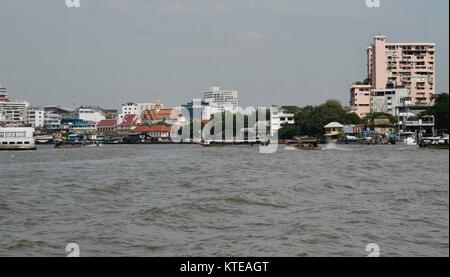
(186, 200)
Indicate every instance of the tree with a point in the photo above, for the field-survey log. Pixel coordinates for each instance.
(370, 117)
(440, 111)
(310, 120)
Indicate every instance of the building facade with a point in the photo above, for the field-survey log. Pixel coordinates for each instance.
(360, 99)
(278, 118)
(220, 100)
(388, 100)
(12, 113)
(35, 117)
(90, 115)
(409, 65)
(392, 66)
(134, 108)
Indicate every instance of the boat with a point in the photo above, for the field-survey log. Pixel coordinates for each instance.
(68, 145)
(44, 139)
(71, 141)
(304, 143)
(17, 138)
(221, 143)
(308, 144)
(434, 142)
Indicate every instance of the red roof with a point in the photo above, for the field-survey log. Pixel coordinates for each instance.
(159, 114)
(129, 120)
(155, 128)
(107, 123)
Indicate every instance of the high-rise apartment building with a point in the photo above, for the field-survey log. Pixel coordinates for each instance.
(397, 65)
(220, 100)
(409, 65)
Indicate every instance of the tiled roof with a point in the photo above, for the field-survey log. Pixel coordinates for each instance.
(156, 128)
(129, 120)
(107, 123)
(159, 114)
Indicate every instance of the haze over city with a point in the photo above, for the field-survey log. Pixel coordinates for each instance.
(279, 52)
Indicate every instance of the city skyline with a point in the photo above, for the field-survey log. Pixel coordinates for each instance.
(292, 52)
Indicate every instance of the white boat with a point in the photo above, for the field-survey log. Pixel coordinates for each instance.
(410, 141)
(17, 138)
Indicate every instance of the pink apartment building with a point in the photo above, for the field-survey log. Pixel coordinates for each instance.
(408, 65)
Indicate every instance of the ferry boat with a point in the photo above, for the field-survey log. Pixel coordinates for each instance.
(17, 138)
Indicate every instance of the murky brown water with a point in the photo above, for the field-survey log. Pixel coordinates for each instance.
(165, 200)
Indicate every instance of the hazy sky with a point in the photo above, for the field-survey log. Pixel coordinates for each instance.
(273, 51)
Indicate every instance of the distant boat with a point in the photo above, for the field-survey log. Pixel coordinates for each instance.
(17, 138)
(304, 143)
(434, 142)
(45, 139)
(66, 145)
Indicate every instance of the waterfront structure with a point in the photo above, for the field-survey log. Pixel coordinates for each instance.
(417, 124)
(333, 131)
(35, 117)
(90, 115)
(381, 125)
(107, 127)
(278, 118)
(221, 100)
(360, 99)
(129, 122)
(158, 133)
(13, 138)
(387, 100)
(52, 121)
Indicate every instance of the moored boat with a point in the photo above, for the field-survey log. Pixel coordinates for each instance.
(17, 138)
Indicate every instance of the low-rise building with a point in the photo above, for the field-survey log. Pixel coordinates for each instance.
(333, 131)
(52, 121)
(158, 133)
(129, 122)
(134, 108)
(90, 114)
(278, 118)
(360, 99)
(388, 100)
(35, 117)
(107, 127)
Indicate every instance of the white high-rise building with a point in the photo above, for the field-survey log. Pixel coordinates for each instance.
(12, 112)
(35, 117)
(220, 100)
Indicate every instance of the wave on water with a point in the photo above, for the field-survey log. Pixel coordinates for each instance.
(334, 146)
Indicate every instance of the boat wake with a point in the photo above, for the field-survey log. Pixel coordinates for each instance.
(334, 146)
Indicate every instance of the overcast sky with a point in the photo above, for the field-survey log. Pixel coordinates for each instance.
(295, 52)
